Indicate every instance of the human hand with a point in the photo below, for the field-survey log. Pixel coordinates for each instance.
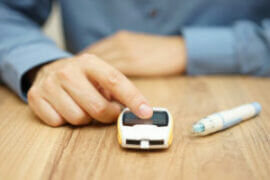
(137, 54)
(79, 89)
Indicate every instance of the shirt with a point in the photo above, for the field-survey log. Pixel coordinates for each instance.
(221, 36)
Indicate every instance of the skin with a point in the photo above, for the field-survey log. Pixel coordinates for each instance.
(93, 86)
(156, 56)
(83, 88)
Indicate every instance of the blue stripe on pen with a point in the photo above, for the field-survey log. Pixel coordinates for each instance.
(230, 123)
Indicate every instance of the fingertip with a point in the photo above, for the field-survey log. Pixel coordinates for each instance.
(53, 119)
(145, 111)
(46, 113)
(56, 123)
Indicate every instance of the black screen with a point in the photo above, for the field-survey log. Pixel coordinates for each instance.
(159, 118)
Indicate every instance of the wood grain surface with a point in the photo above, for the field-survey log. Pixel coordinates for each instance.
(31, 150)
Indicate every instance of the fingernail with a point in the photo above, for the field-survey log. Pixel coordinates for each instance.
(145, 111)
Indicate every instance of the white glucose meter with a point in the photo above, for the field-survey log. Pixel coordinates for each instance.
(153, 133)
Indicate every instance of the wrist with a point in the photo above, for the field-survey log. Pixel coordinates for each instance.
(31, 75)
(183, 54)
(28, 79)
(180, 61)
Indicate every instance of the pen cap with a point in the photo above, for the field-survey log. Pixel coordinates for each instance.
(257, 107)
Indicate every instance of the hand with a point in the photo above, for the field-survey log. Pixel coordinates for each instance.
(79, 89)
(141, 54)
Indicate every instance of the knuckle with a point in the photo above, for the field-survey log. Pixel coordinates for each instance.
(131, 97)
(32, 94)
(90, 56)
(135, 98)
(78, 119)
(114, 77)
(100, 109)
(63, 74)
(87, 57)
(48, 84)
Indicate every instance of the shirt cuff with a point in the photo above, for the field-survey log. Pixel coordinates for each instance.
(210, 51)
(23, 58)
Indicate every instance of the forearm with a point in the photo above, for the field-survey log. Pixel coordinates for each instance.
(239, 49)
(22, 46)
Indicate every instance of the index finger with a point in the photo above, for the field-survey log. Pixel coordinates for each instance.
(121, 88)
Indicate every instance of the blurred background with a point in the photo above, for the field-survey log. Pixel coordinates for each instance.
(53, 26)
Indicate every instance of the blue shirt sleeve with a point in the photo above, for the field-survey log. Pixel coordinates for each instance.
(243, 48)
(23, 46)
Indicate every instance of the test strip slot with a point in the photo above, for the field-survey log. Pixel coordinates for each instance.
(132, 142)
(156, 142)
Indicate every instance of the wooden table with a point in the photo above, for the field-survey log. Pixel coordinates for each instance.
(32, 150)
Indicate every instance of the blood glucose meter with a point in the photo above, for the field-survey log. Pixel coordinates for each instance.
(153, 133)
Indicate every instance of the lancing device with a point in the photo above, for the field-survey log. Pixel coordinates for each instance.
(225, 119)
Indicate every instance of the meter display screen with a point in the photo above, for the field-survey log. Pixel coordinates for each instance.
(159, 118)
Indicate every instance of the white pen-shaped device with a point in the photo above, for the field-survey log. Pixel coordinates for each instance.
(225, 119)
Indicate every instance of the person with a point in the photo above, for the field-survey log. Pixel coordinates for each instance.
(160, 38)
